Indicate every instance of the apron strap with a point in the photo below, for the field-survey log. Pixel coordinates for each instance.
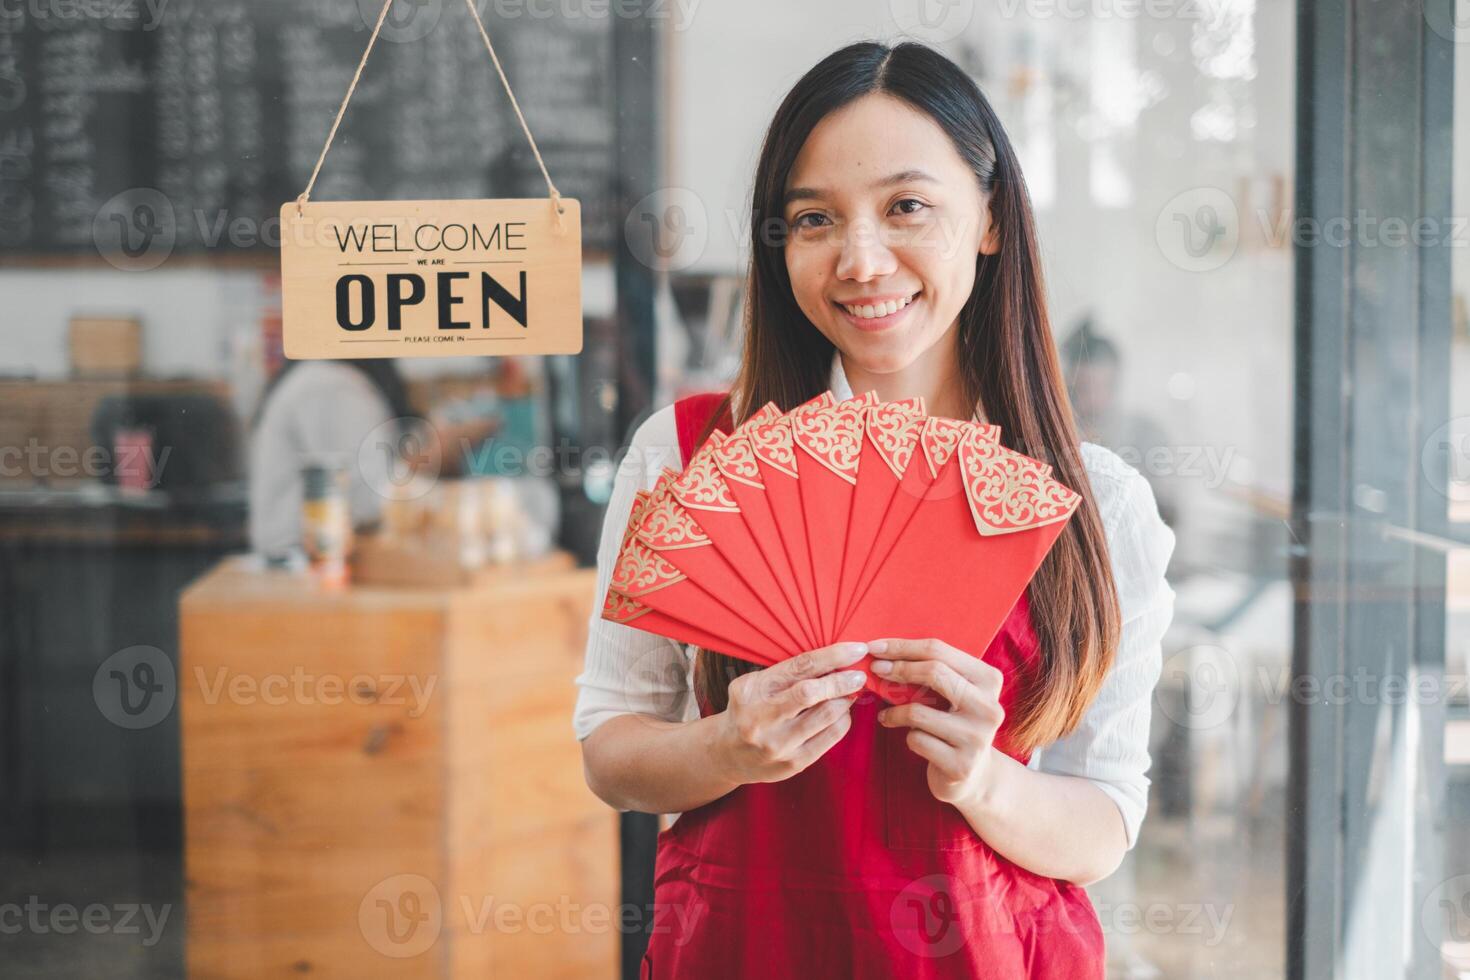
(692, 412)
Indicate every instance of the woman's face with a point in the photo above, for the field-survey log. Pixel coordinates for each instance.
(885, 223)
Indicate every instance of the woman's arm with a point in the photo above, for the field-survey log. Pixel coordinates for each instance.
(1110, 746)
(643, 763)
(780, 720)
(1058, 826)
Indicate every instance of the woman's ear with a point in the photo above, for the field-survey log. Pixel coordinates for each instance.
(990, 241)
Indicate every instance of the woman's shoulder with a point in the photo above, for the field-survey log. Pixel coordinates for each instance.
(1114, 481)
(658, 427)
(1139, 542)
(658, 433)
(653, 446)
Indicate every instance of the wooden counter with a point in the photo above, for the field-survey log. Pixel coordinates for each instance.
(385, 782)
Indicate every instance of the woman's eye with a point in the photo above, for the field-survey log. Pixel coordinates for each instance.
(901, 207)
(809, 220)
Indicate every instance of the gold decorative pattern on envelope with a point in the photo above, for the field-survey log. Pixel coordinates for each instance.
(735, 459)
(893, 429)
(773, 446)
(1011, 492)
(647, 498)
(767, 412)
(667, 525)
(640, 503)
(825, 400)
(832, 436)
(701, 486)
(640, 570)
(939, 438)
(914, 404)
(618, 608)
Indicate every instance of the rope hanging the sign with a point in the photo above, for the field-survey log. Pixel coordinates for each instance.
(357, 75)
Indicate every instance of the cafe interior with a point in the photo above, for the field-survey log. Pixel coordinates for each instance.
(289, 647)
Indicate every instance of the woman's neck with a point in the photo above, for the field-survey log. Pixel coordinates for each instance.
(934, 376)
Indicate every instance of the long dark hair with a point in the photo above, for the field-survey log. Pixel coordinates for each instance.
(1005, 351)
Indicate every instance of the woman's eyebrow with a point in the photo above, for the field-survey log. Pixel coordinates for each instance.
(816, 193)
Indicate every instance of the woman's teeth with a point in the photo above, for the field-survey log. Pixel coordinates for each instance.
(882, 309)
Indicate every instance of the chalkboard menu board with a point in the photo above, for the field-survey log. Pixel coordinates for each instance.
(126, 121)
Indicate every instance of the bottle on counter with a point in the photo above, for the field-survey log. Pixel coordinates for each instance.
(326, 525)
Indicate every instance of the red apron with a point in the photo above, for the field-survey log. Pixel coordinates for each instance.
(852, 868)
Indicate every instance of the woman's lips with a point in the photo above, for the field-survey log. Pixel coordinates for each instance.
(876, 323)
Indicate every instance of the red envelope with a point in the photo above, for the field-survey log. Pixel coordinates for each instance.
(941, 544)
(890, 436)
(735, 458)
(677, 524)
(619, 607)
(965, 556)
(830, 444)
(775, 455)
(705, 496)
(646, 576)
(938, 438)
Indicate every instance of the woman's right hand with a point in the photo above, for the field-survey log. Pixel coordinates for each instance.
(782, 719)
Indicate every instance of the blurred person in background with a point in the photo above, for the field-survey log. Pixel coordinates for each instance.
(356, 415)
(1092, 363)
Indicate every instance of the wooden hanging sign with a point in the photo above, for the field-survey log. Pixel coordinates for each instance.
(431, 278)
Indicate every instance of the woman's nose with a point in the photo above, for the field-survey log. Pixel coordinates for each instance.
(863, 254)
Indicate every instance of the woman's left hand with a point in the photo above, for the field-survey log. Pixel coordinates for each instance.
(959, 742)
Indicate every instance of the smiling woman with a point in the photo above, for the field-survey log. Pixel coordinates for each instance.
(886, 175)
(882, 244)
(894, 251)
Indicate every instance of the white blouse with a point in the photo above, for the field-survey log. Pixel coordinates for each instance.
(631, 671)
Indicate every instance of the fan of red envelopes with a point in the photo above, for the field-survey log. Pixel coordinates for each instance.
(850, 520)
